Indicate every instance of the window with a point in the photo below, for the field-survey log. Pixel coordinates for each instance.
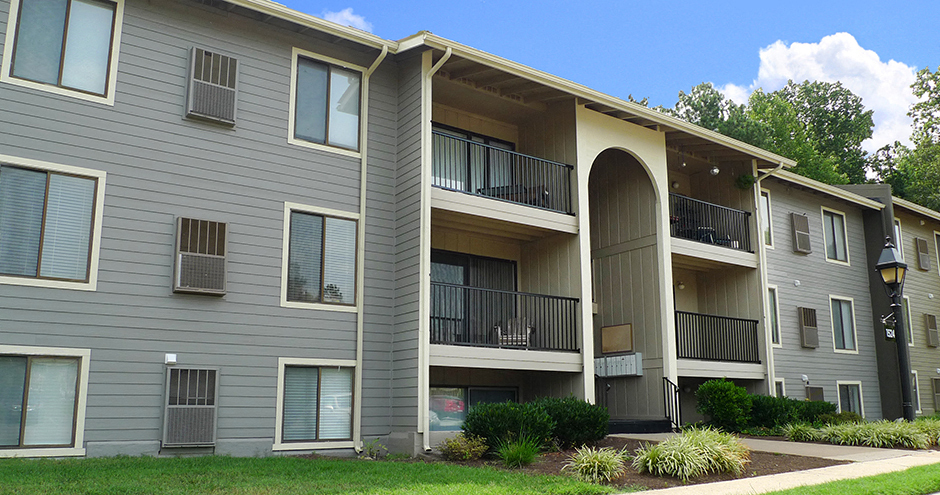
(898, 240)
(69, 45)
(834, 228)
(843, 324)
(780, 387)
(49, 224)
(774, 315)
(765, 219)
(315, 403)
(850, 397)
(466, 161)
(320, 252)
(449, 405)
(42, 400)
(915, 391)
(908, 321)
(325, 96)
(936, 241)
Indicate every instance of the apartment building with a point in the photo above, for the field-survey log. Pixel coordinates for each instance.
(232, 227)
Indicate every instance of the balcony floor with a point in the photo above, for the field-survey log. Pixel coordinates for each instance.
(693, 255)
(462, 356)
(716, 369)
(514, 217)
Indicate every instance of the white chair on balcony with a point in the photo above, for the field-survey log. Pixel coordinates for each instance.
(516, 332)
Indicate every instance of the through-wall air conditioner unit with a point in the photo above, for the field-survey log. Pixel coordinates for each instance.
(213, 88)
(190, 414)
(815, 393)
(809, 331)
(201, 246)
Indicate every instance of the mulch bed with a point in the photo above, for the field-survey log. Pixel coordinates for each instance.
(762, 464)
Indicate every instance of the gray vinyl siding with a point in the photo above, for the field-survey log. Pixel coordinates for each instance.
(161, 166)
(919, 285)
(818, 279)
(408, 247)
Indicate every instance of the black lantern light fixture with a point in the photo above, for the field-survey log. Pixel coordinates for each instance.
(893, 269)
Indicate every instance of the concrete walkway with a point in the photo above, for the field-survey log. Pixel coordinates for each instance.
(867, 461)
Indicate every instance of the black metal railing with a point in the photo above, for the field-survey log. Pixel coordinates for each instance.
(700, 221)
(716, 338)
(464, 165)
(462, 315)
(671, 399)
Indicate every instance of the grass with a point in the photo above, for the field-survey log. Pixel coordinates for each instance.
(267, 476)
(920, 480)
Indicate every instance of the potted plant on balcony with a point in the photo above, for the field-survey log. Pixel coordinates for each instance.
(332, 294)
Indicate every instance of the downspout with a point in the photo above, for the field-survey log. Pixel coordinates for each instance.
(361, 247)
(768, 340)
(768, 174)
(424, 337)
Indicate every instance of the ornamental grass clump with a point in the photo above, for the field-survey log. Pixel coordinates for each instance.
(693, 453)
(520, 451)
(801, 432)
(931, 427)
(596, 465)
(880, 434)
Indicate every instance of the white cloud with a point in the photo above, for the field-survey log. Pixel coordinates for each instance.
(883, 86)
(347, 18)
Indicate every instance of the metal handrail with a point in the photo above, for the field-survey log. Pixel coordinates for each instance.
(481, 169)
(716, 338)
(709, 223)
(463, 315)
(671, 403)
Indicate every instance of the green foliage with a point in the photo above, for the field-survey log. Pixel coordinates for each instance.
(463, 447)
(373, 449)
(772, 412)
(801, 432)
(596, 465)
(518, 452)
(809, 411)
(929, 426)
(840, 418)
(726, 405)
(693, 453)
(496, 423)
(576, 421)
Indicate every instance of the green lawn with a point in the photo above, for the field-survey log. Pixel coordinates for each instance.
(270, 475)
(920, 480)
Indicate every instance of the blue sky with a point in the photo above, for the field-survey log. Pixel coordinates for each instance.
(655, 49)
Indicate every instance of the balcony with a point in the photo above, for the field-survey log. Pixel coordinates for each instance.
(471, 316)
(716, 338)
(492, 171)
(708, 223)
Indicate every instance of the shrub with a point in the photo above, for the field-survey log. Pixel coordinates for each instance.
(497, 423)
(771, 412)
(840, 418)
(801, 432)
(519, 452)
(596, 465)
(576, 421)
(463, 448)
(693, 453)
(809, 411)
(726, 405)
(929, 426)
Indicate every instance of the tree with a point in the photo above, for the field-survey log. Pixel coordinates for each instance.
(705, 106)
(926, 112)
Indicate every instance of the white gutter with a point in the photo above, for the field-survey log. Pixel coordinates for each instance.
(830, 190)
(424, 333)
(361, 247)
(768, 174)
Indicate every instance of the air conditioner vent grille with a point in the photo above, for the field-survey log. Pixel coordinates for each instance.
(200, 257)
(212, 86)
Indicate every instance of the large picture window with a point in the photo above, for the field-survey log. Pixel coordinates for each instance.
(315, 404)
(48, 225)
(325, 103)
(321, 257)
(843, 325)
(68, 44)
(834, 228)
(449, 405)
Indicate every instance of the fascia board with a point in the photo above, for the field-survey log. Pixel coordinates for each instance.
(827, 189)
(915, 208)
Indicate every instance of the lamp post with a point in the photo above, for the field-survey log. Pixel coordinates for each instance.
(893, 269)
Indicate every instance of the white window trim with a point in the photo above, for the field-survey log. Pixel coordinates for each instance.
(899, 242)
(92, 283)
(283, 362)
(832, 325)
(776, 310)
(84, 356)
(285, 254)
(783, 385)
(908, 321)
(916, 377)
(107, 99)
(845, 235)
(770, 219)
(936, 243)
(295, 53)
(861, 395)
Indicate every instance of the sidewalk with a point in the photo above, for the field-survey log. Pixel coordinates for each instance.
(867, 461)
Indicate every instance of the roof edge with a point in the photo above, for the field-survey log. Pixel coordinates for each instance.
(916, 208)
(828, 189)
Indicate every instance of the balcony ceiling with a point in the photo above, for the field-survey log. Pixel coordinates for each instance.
(515, 92)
